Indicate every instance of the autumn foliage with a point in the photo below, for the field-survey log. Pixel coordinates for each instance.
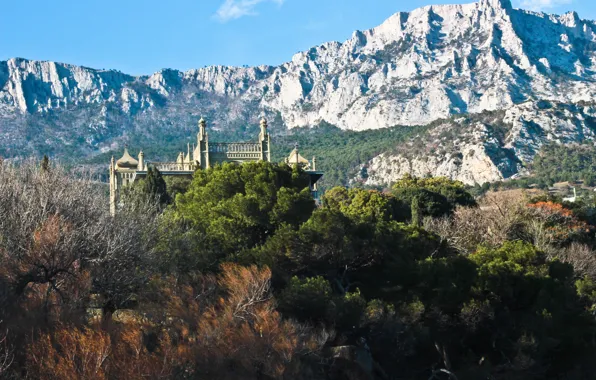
(236, 334)
(554, 224)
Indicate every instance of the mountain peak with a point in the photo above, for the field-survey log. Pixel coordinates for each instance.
(498, 4)
(415, 67)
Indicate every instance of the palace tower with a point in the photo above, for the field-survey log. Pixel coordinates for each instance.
(125, 171)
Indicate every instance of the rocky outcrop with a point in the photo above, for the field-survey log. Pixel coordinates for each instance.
(485, 147)
(473, 165)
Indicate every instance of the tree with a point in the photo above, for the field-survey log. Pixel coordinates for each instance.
(549, 224)
(365, 205)
(234, 208)
(306, 299)
(589, 179)
(352, 241)
(437, 196)
(59, 243)
(499, 218)
(176, 185)
(536, 297)
(416, 220)
(155, 186)
(45, 164)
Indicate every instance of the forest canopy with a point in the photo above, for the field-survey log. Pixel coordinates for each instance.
(240, 275)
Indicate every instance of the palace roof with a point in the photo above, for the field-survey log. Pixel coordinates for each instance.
(295, 157)
(127, 161)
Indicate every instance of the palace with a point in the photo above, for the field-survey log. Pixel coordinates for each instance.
(125, 171)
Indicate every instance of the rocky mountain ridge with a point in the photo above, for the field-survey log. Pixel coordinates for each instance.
(485, 147)
(416, 67)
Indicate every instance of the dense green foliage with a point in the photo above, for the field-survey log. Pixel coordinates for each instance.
(176, 185)
(243, 276)
(557, 163)
(155, 186)
(233, 208)
(363, 265)
(431, 196)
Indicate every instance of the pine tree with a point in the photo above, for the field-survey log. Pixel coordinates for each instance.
(155, 186)
(45, 164)
(416, 212)
(589, 179)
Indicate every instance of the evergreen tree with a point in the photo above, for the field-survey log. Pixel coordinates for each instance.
(415, 212)
(155, 186)
(437, 196)
(45, 164)
(234, 208)
(589, 179)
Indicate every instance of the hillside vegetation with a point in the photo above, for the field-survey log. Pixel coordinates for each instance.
(557, 163)
(554, 163)
(238, 275)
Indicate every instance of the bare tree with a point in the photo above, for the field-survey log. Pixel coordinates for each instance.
(580, 256)
(58, 239)
(6, 356)
(497, 218)
(126, 258)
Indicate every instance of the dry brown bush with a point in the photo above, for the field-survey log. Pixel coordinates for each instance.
(550, 226)
(498, 217)
(235, 331)
(60, 248)
(234, 335)
(507, 215)
(581, 256)
(69, 353)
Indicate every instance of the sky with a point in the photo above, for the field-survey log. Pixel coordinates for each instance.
(143, 36)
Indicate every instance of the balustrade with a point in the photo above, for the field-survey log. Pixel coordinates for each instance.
(234, 147)
(173, 166)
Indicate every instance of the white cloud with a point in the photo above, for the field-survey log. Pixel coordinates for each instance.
(538, 5)
(234, 9)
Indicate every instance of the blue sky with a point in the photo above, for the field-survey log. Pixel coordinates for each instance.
(141, 37)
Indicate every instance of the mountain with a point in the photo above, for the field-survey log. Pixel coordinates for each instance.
(485, 147)
(434, 63)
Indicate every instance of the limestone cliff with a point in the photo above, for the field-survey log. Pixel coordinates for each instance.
(485, 147)
(415, 68)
